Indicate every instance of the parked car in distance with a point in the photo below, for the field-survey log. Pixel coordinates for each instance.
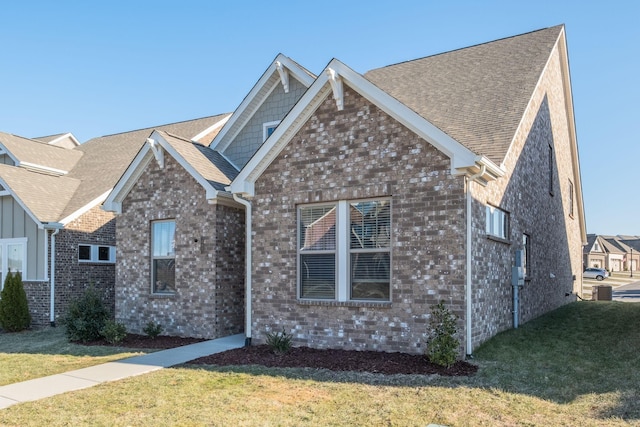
(595, 273)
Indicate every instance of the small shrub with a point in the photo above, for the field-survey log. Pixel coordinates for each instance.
(280, 342)
(153, 329)
(14, 308)
(442, 345)
(87, 316)
(113, 332)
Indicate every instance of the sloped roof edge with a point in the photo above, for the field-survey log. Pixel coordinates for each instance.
(462, 159)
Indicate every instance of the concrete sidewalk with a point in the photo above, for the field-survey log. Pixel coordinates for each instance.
(40, 388)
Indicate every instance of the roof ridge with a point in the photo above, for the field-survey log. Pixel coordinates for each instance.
(163, 125)
(464, 48)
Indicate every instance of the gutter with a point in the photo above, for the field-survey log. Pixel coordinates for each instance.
(247, 264)
(56, 227)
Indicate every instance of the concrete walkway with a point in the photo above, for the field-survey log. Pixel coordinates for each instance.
(40, 388)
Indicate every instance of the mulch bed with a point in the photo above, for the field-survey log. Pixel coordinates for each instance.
(143, 341)
(304, 357)
(336, 360)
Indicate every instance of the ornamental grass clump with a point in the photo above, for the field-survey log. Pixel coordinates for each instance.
(442, 344)
(14, 308)
(279, 342)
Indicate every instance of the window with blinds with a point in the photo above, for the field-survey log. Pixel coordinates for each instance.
(358, 232)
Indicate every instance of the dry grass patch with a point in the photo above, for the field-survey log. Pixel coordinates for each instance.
(38, 353)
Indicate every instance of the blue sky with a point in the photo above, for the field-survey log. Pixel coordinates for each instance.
(96, 68)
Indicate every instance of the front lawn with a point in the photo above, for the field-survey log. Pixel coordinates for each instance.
(33, 354)
(577, 366)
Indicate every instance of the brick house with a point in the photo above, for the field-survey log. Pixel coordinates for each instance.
(379, 195)
(52, 227)
(613, 253)
(180, 234)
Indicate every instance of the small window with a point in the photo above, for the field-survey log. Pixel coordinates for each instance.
(13, 257)
(526, 261)
(84, 252)
(163, 257)
(268, 129)
(570, 198)
(97, 253)
(550, 170)
(497, 223)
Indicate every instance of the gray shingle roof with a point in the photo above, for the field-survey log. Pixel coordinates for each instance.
(44, 195)
(477, 95)
(40, 153)
(210, 164)
(106, 158)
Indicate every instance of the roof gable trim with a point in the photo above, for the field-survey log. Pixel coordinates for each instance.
(463, 160)
(225, 136)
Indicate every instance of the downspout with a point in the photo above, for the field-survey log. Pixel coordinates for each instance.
(52, 278)
(468, 283)
(247, 263)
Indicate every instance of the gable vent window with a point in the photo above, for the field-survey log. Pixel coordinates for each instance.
(497, 223)
(268, 129)
(97, 253)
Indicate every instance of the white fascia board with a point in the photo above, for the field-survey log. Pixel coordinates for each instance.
(22, 205)
(211, 129)
(86, 208)
(39, 168)
(66, 135)
(293, 68)
(113, 202)
(461, 157)
(211, 193)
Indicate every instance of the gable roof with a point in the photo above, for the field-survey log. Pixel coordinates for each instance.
(478, 94)
(36, 155)
(106, 158)
(210, 169)
(62, 139)
(42, 196)
(279, 71)
(331, 81)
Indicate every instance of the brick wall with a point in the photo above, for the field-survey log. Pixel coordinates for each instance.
(209, 244)
(95, 227)
(556, 245)
(360, 152)
(38, 298)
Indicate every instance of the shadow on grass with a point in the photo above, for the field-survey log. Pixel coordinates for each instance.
(581, 349)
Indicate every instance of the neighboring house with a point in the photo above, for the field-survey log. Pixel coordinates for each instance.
(379, 195)
(184, 265)
(614, 253)
(52, 227)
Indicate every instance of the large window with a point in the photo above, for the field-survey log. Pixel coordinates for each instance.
(497, 222)
(329, 235)
(163, 257)
(13, 257)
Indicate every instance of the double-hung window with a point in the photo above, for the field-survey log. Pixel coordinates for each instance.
(13, 257)
(163, 257)
(497, 222)
(344, 251)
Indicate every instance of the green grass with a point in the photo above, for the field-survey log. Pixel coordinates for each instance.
(34, 354)
(577, 366)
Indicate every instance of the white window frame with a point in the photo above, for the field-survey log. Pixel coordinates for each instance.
(497, 222)
(153, 257)
(266, 126)
(4, 243)
(95, 257)
(342, 252)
